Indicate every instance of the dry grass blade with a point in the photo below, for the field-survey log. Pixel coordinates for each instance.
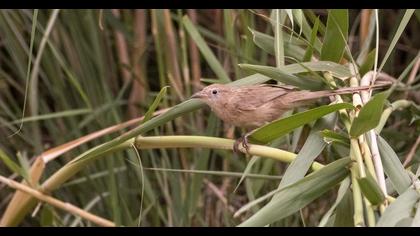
(57, 203)
(38, 166)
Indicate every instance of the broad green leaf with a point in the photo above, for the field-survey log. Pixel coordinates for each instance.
(344, 213)
(331, 136)
(252, 79)
(368, 63)
(266, 42)
(283, 126)
(206, 51)
(369, 116)
(284, 77)
(298, 168)
(344, 186)
(333, 45)
(298, 195)
(336, 70)
(393, 167)
(371, 189)
(401, 208)
(155, 104)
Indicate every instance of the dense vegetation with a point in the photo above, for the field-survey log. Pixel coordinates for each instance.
(95, 112)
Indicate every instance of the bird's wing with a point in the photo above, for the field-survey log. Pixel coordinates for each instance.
(251, 97)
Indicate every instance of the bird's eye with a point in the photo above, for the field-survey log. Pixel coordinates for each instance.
(214, 91)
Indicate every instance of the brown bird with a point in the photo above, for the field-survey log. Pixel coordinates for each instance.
(252, 106)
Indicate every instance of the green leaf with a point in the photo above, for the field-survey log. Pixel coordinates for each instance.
(280, 75)
(310, 50)
(331, 137)
(15, 168)
(401, 208)
(400, 30)
(368, 63)
(206, 51)
(50, 116)
(155, 104)
(283, 126)
(247, 170)
(344, 211)
(344, 187)
(393, 167)
(47, 216)
(266, 43)
(307, 30)
(371, 189)
(336, 70)
(298, 195)
(298, 14)
(337, 25)
(369, 116)
(24, 166)
(303, 161)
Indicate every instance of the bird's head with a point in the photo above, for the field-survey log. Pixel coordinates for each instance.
(213, 94)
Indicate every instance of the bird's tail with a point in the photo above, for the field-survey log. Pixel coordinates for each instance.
(349, 90)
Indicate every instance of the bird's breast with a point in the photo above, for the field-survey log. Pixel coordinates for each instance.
(247, 118)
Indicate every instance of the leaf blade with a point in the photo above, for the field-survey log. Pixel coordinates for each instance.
(295, 196)
(281, 127)
(369, 116)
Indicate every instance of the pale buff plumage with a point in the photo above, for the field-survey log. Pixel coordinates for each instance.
(255, 105)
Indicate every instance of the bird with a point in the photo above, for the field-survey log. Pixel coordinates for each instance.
(252, 106)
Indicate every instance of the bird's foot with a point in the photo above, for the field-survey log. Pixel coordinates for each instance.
(244, 141)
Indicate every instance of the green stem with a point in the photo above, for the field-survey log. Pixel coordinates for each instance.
(179, 141)
(399, 104)
(357, 156)
(357, 198)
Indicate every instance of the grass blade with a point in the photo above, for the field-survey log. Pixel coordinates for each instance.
(344, 186)
(393, 167)
(298, 168)
(295, 196)
(155, 104)
(401, 27)
(401, 208)
(333, 46)
(281, 127)
(371, 189)
(205, 51)
(284, 77)
(369, 115)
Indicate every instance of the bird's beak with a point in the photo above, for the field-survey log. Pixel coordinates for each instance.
(198, 95)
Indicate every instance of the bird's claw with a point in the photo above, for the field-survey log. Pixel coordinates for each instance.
(244, 141)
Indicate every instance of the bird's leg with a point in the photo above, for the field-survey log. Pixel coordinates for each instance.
(236, 145)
